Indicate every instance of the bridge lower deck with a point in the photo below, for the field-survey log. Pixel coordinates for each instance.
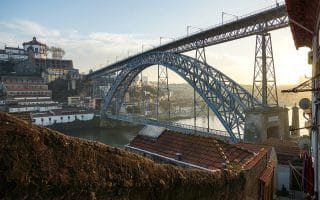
(173, 126)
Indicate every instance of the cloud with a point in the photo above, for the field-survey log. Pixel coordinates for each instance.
(87, 51)
(97, 49)
(30, 27)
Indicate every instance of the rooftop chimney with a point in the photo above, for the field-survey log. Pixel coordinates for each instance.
(178, 156)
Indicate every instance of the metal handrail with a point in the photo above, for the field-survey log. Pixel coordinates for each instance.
(134, 118)
(230, 21)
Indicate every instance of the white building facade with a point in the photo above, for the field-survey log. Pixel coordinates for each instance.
(58, 118)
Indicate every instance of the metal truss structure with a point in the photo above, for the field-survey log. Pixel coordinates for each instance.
(266, 20)
(197, 100)
(163, 89)
(264, 78)
(142, 96)
(307, 86)
(225, 97)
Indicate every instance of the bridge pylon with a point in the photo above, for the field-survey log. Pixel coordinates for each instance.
(163, 88)
(264, 78)
(268, 120)
(198, 101)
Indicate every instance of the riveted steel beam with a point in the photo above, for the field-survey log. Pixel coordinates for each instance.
(226, 98)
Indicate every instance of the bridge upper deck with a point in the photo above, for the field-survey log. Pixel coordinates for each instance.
(265, 20)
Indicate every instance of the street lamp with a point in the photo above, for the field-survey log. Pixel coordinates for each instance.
(224, 13)
(166, 38)
(193, 27)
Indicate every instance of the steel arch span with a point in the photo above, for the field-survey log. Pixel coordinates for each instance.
(227, 99)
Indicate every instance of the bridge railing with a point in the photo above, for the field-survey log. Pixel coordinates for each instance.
(171, 125)
(222, 23)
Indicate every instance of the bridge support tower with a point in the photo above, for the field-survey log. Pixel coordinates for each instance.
(268, 120)
(199, 105)
(264, 78)
(163, 87)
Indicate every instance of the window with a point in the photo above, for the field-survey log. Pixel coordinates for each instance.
(42, 119)
(61, 118)
(49, 118)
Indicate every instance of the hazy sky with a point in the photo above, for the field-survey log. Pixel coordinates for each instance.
(96, 32)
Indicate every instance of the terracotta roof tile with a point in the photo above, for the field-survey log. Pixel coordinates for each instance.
(268, 172)
(305, 13)
(286, 147)
(255, 147)
(209, 153)
(255, 159)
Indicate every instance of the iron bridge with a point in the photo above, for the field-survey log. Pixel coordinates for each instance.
(227, 99)
(173, 126)
(268, 19)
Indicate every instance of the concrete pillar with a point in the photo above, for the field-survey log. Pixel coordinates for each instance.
(266, 122)
(295, 121)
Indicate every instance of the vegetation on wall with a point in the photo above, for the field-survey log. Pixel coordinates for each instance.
(39, 163)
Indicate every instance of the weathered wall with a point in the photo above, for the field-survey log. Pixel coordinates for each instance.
(39, 163)
(252, 178)
(259, 120)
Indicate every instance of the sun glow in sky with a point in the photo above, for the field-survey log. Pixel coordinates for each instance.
(96, 33)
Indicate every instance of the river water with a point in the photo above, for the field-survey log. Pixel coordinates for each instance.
(118, 137)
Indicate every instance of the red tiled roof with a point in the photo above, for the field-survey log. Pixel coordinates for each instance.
(305, 13)
(267, 173)
(284, 146)
(205, 152)
(254, 160)
(286, 151)
(26, 89)
(254, 147)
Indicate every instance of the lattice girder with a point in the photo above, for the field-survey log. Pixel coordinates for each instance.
(225, 97)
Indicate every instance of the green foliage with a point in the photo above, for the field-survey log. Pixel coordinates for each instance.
(133, 109)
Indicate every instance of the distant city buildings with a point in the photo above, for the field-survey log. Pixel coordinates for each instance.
(13, 53)
(32, 48)
(33, 59)
(36, 49)
(24, 86)
(25, 75)
(61, 116)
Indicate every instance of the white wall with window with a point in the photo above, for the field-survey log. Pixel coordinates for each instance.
(58, 119)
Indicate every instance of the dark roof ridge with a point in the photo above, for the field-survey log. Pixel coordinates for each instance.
(34, 41)
(221, 151)
(250, 162)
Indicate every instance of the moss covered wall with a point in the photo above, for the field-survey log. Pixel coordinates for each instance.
(38, 163)
(252, 177)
